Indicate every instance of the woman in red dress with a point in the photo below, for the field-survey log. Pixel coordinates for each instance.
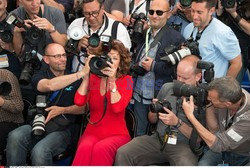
(107, 98)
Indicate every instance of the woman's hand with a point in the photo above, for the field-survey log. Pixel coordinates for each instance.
(110, 71)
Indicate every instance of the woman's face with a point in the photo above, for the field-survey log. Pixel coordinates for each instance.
(115, 57)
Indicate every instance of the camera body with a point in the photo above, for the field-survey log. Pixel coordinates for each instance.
(30, 63)
(33, 34)
(136, 31)
(158, 106)
(5, 88)
(38, 124)
(136, 69)
(199, 92)
(231, 3)
(98, 63)
(174, 54)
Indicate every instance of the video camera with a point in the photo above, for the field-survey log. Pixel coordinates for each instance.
(158, 106)
(33, 34)
(199, 92)
(5, 33)
(175, 54)
(136, 31)
(5, 88)
(231, 3)
(98, 63)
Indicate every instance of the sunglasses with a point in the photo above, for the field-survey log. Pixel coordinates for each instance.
(158, 12)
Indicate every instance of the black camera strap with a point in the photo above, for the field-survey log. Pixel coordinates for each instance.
(197, 148)
(198, 35)
(105, 108)
(105, 21)
(132, 3)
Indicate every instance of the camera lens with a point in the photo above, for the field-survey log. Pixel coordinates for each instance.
(186, 3)
(38, 126)
(94, 40)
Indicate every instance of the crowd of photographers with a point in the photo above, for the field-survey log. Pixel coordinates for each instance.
(187, 59)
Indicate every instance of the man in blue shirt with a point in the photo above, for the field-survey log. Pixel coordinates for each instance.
(217, 42)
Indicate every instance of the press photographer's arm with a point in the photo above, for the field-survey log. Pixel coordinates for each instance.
(207, 136)
(242, 22)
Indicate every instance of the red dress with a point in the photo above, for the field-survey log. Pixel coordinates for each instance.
(99, 142)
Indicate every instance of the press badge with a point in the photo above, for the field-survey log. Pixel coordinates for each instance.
(4, 62)
(172, 137)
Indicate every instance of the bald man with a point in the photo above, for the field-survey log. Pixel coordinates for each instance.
(60, 109)
(148, 150)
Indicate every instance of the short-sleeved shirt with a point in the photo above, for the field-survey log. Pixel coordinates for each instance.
(122, 35)
(54, 16)
(110, 5)
(67, 97)
(218, 44)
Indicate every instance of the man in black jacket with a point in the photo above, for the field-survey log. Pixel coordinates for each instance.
(153, 71)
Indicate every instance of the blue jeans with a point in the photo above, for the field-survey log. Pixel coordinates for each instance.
(213, 159)
(141, 112)
(20, 142)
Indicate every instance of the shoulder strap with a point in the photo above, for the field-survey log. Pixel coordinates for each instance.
(159, 36)
(114, 29)
(197, 148)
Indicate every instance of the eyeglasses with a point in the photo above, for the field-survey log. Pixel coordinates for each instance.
(94, 13)
(158, 12)
(58, 56)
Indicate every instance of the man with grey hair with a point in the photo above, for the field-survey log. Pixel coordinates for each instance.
(228, 123)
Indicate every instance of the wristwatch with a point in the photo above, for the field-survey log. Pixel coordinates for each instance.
(179, 123)
(113, 90)
(53, 29)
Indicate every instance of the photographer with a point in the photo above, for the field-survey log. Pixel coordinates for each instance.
(149, 71)
(107, 96)
(237, 18)
(59, 87)
(217, 42)
(11, 106)
(8, 59)
(48, 19)
(95, 21)
(228, 122)
(181, 16)
(148, 150)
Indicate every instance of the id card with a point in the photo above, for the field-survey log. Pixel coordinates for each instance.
(4, 62)
(172, 138)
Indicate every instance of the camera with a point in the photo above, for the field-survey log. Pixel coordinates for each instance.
(185, 3)
(137, 70)
(5, 33)
(199, 92)
(175, 54)
(33, 34)
(98, 63)
(75, 34)
(38, 125)
(5, 88)
(136, 31)
(231, 3)
(30, 63)
(158, 106)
